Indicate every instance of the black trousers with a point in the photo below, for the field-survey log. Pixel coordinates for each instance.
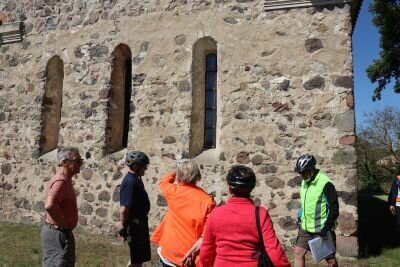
(397, 219)
(139, 240)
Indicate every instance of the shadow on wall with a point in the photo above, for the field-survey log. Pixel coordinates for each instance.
(376, 226)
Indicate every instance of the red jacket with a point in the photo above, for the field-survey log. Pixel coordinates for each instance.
(231, 236)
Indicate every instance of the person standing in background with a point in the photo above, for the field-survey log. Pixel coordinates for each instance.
(394, 202)
(319, 209)
(61, 212)
(135, 206)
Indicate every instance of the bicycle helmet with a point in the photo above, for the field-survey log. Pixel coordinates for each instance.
(241, 179)
(305, 162)
(136, 157)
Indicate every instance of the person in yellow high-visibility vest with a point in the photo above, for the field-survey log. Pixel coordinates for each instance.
(319, 208)
(394, 201)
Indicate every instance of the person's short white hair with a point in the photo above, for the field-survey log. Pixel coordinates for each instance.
(188, 172)
(66, 153)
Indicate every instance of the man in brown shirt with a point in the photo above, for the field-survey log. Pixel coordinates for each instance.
(58, 241)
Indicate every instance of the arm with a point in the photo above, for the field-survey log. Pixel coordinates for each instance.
(192, 253)
(166, 183)
(332, 198)
(124, 215)
(392, 197)
(194, 250)
(53, 208)
(271, 242)
(125, 196)
(208, 247)
(299, 214)
(209, 210)
(52, 202)
(392, 194)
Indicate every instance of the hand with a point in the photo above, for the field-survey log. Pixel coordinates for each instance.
(189, 258)
(392, 210)
(323, 233)
(123, 234)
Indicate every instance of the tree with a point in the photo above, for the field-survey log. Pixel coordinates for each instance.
(387, 67)
(378, 149)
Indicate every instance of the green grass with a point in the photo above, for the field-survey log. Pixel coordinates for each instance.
(20, 243)
(20, 246)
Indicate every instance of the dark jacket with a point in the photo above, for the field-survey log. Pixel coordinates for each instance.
(394, 191)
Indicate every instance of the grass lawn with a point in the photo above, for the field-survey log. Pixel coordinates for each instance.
(20, 243)
(20, 246)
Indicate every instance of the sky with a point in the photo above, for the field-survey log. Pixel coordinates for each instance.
(365, 50)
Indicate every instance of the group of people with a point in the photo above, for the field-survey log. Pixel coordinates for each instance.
(193, 232)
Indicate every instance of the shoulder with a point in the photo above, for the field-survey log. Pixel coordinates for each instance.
(203, 195)
(329, 186)
(220, 208)
(130, 178)
(58, 178)
(323, 177)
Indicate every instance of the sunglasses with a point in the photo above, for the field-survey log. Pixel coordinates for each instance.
(77, 161)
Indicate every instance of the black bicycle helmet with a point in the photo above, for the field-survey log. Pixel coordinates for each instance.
(136, 157)
(305, 162)
(241, 178)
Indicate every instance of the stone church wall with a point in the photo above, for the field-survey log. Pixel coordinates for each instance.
(284, 87)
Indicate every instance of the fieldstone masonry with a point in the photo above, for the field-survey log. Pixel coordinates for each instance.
(284, 87)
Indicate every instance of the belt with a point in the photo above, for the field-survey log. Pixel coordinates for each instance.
(55, 227)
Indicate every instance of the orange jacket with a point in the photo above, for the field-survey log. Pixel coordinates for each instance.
(183, 224)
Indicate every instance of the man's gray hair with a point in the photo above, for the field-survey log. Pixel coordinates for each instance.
(188, 172)
(65, 153)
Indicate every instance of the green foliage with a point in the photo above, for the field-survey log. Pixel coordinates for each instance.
(387, 67)
(378, 150)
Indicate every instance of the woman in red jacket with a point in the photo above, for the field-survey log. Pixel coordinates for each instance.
(231, 237)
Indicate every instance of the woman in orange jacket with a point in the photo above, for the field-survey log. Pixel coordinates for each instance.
(179, 235)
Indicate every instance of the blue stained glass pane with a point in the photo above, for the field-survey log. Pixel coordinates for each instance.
(210, 118)
(210, 99)
(211, 81)
(209, 138)
(211, 62)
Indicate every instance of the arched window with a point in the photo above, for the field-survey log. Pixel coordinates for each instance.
(117, 126)
(204, 96)
(51, 105)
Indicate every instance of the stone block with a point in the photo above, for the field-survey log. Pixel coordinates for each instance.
(87, 173)
(257, 160)
(287, 223)
(85, 208)
(316, 82)
(347, 140)
(259, 141)
(180, 39)
(275, 182)
(104, 196)
(313, 44)
(347, 223)
(6, 168)
(161, 201)
(345, 121)
(243, 157)
(344, 157)
(347, 246)
(344, 81)
(169, 140)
